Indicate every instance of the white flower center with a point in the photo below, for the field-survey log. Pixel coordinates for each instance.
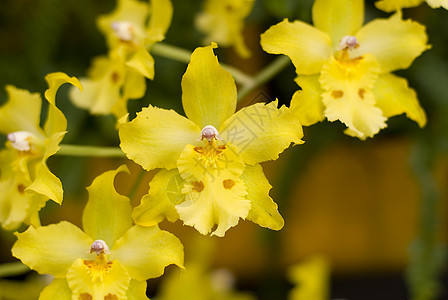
(209, 132)
(124, 30)
(348, 42)
(21, 140)
(99, 246)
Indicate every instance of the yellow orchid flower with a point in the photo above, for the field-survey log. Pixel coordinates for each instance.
(108, 87)
(223, 22)
(212, 175)
(25, 180)
(114, 79)
(312, 279)
(110, 259)
(197, 283)
(394, 5)
(344, 68)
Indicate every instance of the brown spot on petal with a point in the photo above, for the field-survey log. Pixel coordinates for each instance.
(21, 188)
(198, 186)
(229, 8)
(361, 93)
(115, 77)
(337, 94)
(85, 296)
(110, 297)
(228, 184)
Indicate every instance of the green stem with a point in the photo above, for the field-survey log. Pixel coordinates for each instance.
(13, 269)
(136, 184)
(75, 150)
(262, 77)
(171, 52)
(183, 55)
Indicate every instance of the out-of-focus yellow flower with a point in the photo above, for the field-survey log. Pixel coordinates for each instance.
(26, 183)
(344, 69)
(130, 30)
(110, 259)
(312, 279)
(394, 5)
(212, 174)
(197, 283)
(223, 22)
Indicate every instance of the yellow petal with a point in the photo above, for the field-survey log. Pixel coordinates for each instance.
(57, 289)
(208, 91)
(161, 15)
(394, 5)
(263, 210)
(102, 88)
(211, 201)
(134, 87)
(306, 104)
(307, 47)
(394, 97)
(137, 290)
(260, 132)
(165, 191)
(438, 3)
(145, 251)
(16, 203)
(349, 97)
(143, 62)
(223, 23)
(156, 137)
(46, 183)
(194, 283)
(338, 18)
(394, 42)
(52, 249)
(311, 278)
(111, 285)
(56, 121)
(107, 215)
(21, 112)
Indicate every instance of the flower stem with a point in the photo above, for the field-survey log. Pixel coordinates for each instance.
(264, 75)
(183, 55)
(136, 184)
(13, 269)
(76, 150)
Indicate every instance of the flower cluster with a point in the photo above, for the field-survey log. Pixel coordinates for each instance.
(208, 162)
(130, 30)
(344, 68)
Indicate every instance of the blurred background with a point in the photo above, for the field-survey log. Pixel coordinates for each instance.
(376, 210)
